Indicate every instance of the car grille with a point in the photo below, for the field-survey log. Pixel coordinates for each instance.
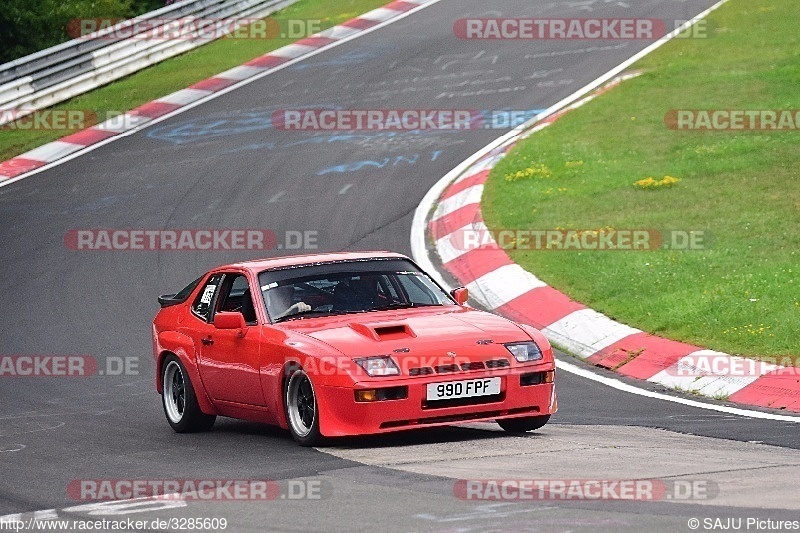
(446, 369)
(464, 367)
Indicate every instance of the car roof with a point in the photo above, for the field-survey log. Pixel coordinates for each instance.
(260, 265)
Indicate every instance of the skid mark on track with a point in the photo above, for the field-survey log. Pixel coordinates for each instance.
(277, 196)
(485, 512)
(9, 429)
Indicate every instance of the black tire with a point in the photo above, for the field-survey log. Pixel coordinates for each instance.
(523, 425)
(179, 400)
(302, 412)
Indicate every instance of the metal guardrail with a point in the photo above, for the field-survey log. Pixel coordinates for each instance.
(56, 74)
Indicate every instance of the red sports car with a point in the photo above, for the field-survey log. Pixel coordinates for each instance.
(344, 344)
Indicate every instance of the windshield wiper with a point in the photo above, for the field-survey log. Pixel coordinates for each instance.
(299, 314)
(302, 314)
(396, 305)
(404, 305)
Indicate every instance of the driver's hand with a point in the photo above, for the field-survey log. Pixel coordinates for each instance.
(299, 307)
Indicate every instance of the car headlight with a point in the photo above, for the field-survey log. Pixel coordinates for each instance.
(378, 366)
(524, 352)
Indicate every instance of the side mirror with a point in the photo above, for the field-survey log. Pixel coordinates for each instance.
(460, 295)
(225, 320)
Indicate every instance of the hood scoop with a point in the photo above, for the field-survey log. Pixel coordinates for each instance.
(384, 331)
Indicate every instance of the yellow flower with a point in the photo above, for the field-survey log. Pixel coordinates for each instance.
(539, 170)
(650, 183)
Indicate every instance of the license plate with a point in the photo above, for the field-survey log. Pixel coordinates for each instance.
(468, 388)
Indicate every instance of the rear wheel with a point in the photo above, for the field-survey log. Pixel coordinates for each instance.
(179, 400)
(523, 425)
(302, 413)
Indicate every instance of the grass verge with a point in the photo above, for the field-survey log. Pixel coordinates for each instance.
(179, 72)
(741, 293)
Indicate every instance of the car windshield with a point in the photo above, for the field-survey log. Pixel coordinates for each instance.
(347, 287)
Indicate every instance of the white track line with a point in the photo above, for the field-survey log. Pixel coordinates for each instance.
(619, 385)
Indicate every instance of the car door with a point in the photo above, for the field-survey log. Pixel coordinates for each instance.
(229, 359)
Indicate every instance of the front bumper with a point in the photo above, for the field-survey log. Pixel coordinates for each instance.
(342, 415)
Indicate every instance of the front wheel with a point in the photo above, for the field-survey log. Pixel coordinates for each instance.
(179, 400)
(522, 425)
(302, 412)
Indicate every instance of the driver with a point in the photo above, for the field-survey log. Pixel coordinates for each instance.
(281, 298)
(357, 293)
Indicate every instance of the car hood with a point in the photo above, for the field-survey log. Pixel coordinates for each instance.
(415, 332)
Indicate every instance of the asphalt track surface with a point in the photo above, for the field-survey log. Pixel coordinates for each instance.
(221, 165)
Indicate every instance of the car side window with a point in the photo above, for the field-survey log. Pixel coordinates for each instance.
(205, 300)
(235, 297)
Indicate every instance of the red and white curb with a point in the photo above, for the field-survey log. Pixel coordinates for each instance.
(135, 119)
(506, 288)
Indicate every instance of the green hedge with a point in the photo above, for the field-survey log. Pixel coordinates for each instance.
(27, 26)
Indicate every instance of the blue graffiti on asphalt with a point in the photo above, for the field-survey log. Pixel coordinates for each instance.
(326, 138)
(356, 57)
(499, 119)
(382, 163)
(252, 121)
(219, 126)
(212, 127)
